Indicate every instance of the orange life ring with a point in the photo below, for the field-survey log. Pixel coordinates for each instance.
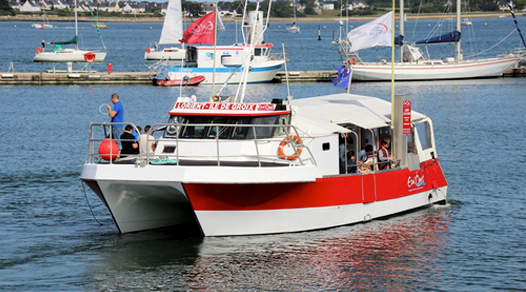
(148, 50)
(352, 60)
(39, 50)
(290, 139)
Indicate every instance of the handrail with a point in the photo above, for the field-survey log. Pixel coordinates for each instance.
(145, 158)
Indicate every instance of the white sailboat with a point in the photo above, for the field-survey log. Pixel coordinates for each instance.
(171, 34)
(44, 24)
(60, 54)
(293, 27)
(413, 66)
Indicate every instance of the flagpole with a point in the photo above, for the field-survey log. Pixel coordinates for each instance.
(350, 79)
(214, 58)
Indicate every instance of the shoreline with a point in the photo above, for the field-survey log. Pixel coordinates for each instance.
(272, 20)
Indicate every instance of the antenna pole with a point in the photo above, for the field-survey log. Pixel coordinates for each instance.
(289, 97)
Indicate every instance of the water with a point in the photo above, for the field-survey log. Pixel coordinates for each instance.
(49, 240)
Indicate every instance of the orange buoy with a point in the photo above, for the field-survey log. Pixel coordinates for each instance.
(299, 148)
(108, 150)
(39, 50)
(148, 50)
(352, 60)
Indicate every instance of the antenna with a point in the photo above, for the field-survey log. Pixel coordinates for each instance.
(289, 97)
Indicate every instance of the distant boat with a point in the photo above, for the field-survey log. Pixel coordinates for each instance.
(466, 21)
(293, 27)
(413, 66)
(44, 24)
(171, 33)
(60, 54)
(100, 25)
(195, 80)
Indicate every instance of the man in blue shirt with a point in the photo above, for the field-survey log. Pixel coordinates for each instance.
(117, 116)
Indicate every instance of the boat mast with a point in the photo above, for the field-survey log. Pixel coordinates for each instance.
(76, 28)
(458, 55)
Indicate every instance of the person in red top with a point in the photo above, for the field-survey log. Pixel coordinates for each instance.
(383, 154)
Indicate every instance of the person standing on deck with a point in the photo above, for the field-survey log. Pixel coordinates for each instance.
(117, 116)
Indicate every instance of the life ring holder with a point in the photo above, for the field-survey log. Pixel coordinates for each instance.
(148, 50)
(352, 60)
(290, 139)
(39, 50)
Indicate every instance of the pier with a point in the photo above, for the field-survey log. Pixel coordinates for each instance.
(145, 78)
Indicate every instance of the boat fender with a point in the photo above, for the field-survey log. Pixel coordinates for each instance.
(148, 50)
(352, 60)
(288, 139)
(39, 50)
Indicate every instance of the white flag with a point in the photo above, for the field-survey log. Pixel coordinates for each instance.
(375, 33)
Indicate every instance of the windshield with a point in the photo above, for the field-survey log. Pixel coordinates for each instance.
(237, 127)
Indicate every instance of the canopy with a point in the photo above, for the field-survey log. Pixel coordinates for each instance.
(450, 37)
(323, 114)
(71, 41)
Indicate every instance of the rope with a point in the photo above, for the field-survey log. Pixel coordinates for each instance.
(87, 201)
(494, 45)
(100, 109)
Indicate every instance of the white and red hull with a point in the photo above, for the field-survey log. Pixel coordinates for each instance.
(67, 55)
(172, 53)
(178, 195)
(414, 72)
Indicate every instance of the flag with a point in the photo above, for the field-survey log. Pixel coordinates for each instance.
(202, 31)
(343, 77)
(372, 34)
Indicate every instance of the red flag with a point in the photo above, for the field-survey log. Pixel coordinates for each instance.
(201, 31)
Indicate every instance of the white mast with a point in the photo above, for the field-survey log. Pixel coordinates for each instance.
(401, 29)
(76, 28)
(458, 55)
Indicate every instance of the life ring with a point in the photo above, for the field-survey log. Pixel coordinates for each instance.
(352, 60)
(289, 139)
(148, 50)
(39, 50)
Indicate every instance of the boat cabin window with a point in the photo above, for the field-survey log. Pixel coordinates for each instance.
(259, 51)
(234, 130)
(424, 134)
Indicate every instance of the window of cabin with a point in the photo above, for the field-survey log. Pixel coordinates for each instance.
(424, 134)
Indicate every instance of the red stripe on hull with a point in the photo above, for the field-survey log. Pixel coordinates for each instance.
(331, 191)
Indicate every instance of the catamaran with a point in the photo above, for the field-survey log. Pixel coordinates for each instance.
(60, 54)
(225, 167)
(412, 64)
(171, 33)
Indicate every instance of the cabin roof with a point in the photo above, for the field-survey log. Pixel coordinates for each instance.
(321, 115)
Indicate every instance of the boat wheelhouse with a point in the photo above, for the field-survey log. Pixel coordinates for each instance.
(229, 168)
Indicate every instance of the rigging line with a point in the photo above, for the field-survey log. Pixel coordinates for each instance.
(416, 22)
(87, 201)
(494, 45)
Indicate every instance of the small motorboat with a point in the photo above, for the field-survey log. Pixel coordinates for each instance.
(192, 81)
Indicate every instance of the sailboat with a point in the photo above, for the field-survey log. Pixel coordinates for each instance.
(412, 65)
(44, 24)
(60, 54)
(171, 33)
(293, 27)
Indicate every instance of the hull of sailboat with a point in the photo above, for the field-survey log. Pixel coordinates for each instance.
(67, 55)
(421, 72)
(258, 74)
(165, 54)
(293, 29)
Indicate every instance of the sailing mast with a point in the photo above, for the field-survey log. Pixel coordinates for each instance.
(458, 52)
(76, 28)
(402, 20)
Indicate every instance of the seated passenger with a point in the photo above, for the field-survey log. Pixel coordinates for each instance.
(383, 155)
(129, 146)
(146, 141)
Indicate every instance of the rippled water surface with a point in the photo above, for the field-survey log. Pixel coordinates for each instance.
(49, 240)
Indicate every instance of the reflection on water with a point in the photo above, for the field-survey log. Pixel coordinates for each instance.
(399, 254)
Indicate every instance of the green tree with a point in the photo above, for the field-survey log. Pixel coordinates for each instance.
(5, 8)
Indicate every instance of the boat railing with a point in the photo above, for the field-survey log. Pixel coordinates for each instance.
(276, 56)
(218, 138)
